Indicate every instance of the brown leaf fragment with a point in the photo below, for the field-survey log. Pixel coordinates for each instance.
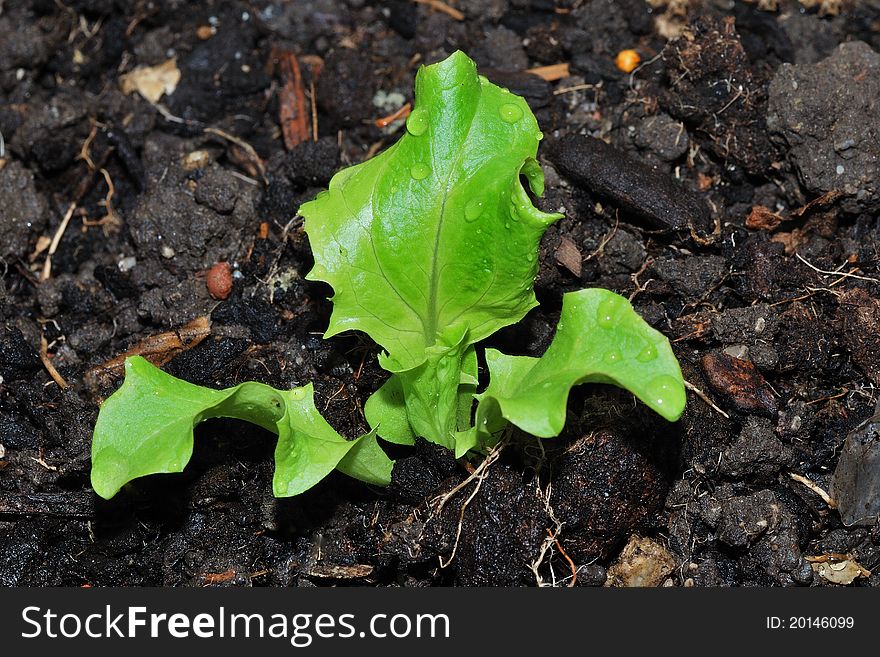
(158, 349)
(763, 218)
(569, 256)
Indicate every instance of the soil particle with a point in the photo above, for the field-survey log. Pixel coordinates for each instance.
(859, 313)
(752, 327)
(23, 44)
(312, 164)
(693, 277)
(662, 137)
(501, 48)
(170, 224)
(714, 90)
(855, 485)
(346, 88)
(218, 189)
(604, 485)
(624, 253)
(17, 357)
(501, 531)
(502, 535)
(628, 183)
(815, 38)
(765, 273)
(416, 477)
(756, 454)
(831, 129)
(24, 210)
(739, 383)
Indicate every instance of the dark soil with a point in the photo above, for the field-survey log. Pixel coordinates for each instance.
(736, 168)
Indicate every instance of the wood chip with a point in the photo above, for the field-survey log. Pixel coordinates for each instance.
(552, 72)
(292, 101)
(152, 82)
(213, 579)
(47, 363)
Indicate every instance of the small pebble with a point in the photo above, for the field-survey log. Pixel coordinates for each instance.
(219, 280)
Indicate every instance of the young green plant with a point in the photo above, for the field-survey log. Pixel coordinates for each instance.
(430, 247)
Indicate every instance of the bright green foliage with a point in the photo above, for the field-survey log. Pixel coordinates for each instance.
(435, 241)
(430, 247)
(599, 339)
(146, 427)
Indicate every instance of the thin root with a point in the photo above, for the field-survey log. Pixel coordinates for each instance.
(478, 475)
(702, 395)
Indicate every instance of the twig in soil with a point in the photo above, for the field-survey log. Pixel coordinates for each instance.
(373, 149)
(212, 579)
(702, 395)
(635, 279)
(47, 265)
(607, 238)
(478, 475)
(827, 397)
(815, 488)
(402, 113)
(443, 8)
(244, 178)
(576, 87)
(837, 272)
(246, 147)
(47, 363)
(2, 146)
(313, 101)
(59, 505)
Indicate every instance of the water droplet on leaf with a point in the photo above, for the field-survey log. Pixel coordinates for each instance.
(613, 356)
(647, 354)
(609, 310)
(473, 209)
(510, 113)
(663, 391)
(417, 122)
(420, 171)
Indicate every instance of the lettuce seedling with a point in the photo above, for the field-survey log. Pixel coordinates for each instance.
(430, 247)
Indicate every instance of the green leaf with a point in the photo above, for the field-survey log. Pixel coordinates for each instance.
(385, 411)
(436, 235)
(146, 427)
(600, 338)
